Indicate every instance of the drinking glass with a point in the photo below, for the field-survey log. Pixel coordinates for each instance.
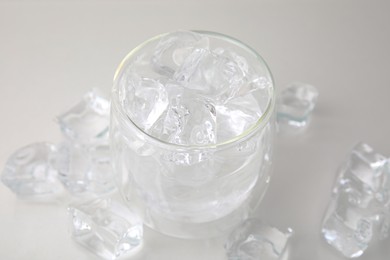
(193, 191)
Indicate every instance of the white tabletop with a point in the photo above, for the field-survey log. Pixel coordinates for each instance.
(51, 52)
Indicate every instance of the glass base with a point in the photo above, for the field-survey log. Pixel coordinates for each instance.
(199, 230)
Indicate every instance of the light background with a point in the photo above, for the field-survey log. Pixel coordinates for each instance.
(51, 52)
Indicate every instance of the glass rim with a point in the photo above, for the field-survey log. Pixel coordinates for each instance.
(260, 123)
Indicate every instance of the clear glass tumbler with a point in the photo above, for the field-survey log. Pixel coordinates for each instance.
(193, 191)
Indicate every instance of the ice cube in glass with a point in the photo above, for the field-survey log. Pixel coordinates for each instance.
(145, 100)
(173, 48)
(217, 76)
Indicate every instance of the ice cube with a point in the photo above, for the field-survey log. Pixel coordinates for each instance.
(171, 122)
(190, 121)
(29, 172)
(255, 240)
(350, 233)
(358, 213)
(216, 76)
(85, 170)
(106, 227)
(146, 100)
(234, 78)
(88, 121)
(236, 116)
(241, 62)
(368, 167)
(294, 106)
(255, 83)
(185, 74)
(173, 49)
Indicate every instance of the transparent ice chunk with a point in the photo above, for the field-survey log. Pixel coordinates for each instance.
(219, 75)
(172, 50)
(171, 122)
(106, 227)
(295, 105)
(254, 240)
(146, 100)
(254, 83)
(241, 62)
(188, 120)
(29, 172)
(244, 76)
(358, 213)
(236, 116)
(85, 170)
(88, 121)
(216, 76)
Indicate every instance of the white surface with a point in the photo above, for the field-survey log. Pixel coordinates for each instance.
(52, 52)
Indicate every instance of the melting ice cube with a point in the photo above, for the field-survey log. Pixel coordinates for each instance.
(106, 227)
(295, 105)
(85, 170)
(188, 120)
(146, 100)
(359, 211)
(254, 240)
(215, 76)
(236, 116)
(29, 172)
(88, 121)
(172, 50)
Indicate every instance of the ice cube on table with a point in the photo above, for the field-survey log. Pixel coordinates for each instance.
(85, 171)
(254, 240)
(30, 174)
(359, 212)
(171, 51)
(294, 106)
(88, 121)
(106, 227)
